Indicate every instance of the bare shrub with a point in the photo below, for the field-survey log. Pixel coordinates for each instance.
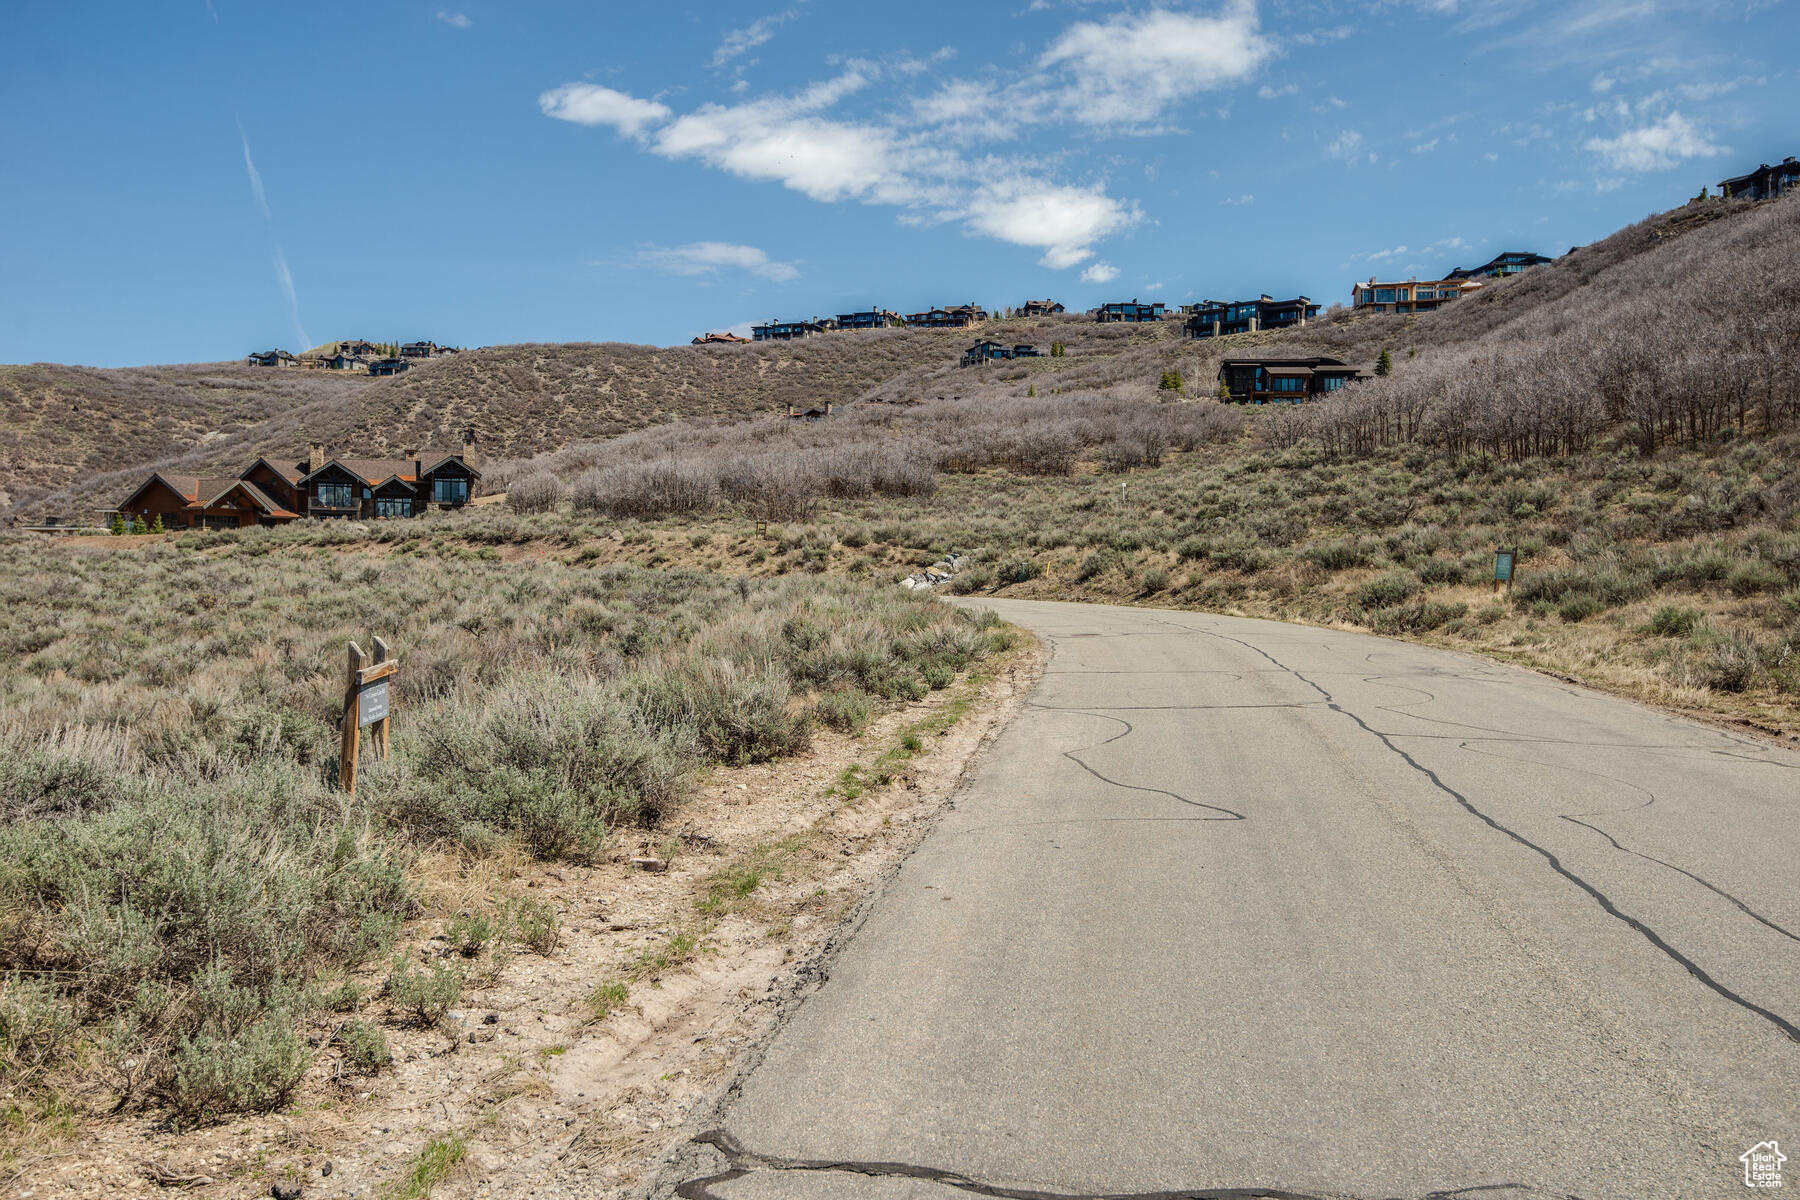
(539, 491)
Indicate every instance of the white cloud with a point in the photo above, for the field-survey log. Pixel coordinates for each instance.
(591, 104)
(1269, 92)
(1065, 221)
(256, 183)
(454, 20)
(1246, 198)
(1128, 70)
(1100, 272)
(780, 140)
(1347, 145)
(1425, 147)
(958, 100)
(1654, 147)
(742, 41)
(707, 258)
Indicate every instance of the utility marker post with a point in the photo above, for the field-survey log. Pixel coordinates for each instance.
(1504, 563)
(366, 702)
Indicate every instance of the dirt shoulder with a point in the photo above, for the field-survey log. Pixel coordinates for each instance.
(691, 957)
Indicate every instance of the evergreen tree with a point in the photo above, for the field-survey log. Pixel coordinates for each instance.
(118, 524)
(1385, 364)
(157, 526)
(138, 526)
(1031, 389)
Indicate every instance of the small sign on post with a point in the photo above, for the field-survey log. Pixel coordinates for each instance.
(1504, 562)
(366, 702)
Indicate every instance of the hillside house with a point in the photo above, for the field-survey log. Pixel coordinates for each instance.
(384, 488)
(1764, 183)
(786, 331)
(1221, 318)
(875, 318)
(1130, 311)
(271, 493)
(343, 360)
(389, 366)
(719, 339)
(956, 316)
(1410, 296)
(1275, 380)
(815, 413)
(1509, 262)
(189, 502)
(1026, 352)
(420, 350)
(1041, 308)
(272, 358)
(982, 353)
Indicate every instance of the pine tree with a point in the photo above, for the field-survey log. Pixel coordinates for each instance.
(1031, 389)
(1385, 364)
(138, 526)
(156, 526)
(118, 524)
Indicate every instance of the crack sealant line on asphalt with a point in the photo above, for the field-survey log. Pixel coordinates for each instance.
(1230, 814)
(1787, 1028)
(1575, 819)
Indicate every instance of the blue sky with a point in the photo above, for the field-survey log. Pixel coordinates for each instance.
(188, 181)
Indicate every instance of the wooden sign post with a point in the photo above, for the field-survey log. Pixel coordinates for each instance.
(367, 701)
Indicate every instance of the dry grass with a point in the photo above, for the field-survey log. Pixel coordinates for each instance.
(177, 866)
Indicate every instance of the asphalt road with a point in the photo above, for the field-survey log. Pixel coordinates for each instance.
(1239, 908)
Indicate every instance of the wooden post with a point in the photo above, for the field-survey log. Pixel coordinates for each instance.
(378, 733)
(347, 750)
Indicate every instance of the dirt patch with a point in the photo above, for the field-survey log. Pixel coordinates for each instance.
(522, 1087)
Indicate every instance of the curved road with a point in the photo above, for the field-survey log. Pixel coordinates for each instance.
(1237, 908)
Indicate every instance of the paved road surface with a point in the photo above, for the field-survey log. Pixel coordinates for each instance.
(1242, 905)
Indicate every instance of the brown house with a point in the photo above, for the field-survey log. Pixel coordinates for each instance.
(187, 502)
(269, 493)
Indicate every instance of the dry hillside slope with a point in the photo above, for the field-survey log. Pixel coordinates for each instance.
(76, 437)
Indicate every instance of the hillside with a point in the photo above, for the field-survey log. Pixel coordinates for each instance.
(69, 425)
(522, 400)
(59, 424)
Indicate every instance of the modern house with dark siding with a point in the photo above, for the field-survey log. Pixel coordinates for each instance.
(1275, 380)
(1129, 311)
(1508, 262)
(1041, 308)
(875, 318)
(955, 316)
(786, 331)
(1220, 318)
(1763, 183)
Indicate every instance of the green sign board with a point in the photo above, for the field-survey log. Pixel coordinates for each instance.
(1503, 565)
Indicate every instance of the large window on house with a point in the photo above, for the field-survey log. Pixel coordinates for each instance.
(393, 506)
(1384, 295)
(1287, 383)
(335, 495)
(1331, 383)
(450, 490)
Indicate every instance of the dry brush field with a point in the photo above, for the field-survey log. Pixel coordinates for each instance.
(184, 890)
